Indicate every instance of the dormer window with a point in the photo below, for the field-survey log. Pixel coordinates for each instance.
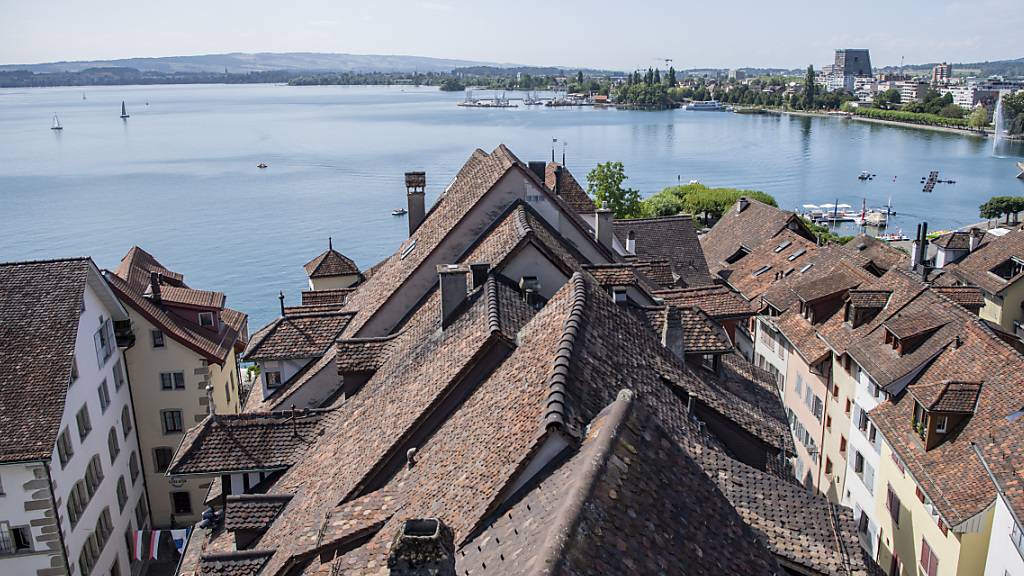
(1009, 268)
(619, 294)
(206, 319)
(806, 268)
(782, 246)
(737, 255)
(941, 408)
(761, 270)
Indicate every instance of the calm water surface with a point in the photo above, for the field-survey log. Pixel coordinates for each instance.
(180, 179)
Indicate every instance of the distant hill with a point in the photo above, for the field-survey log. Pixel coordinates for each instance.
(241, 63)
(993, 68)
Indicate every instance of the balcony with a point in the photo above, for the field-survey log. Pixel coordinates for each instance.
(123, 334)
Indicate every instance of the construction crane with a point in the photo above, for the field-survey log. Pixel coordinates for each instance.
(667, 61)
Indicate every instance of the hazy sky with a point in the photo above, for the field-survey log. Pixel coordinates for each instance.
(593, 33)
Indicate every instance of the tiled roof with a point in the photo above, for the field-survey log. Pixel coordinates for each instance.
(915, 323)
(719, 302)
(253, 511)
(330, 263)
(658, 271)
(1004, 456)
(131, 281)
(803, 336)
(969, 297)
(571, 192)
(363, 354)
(975, 268)
(947, 396)
(881, 253)
(280, 395)
(800, 527)
(671, 237)
(241, 563)
(701, 334)
(955, 240)
(748, 228)
(247, 442)
(753, 275)
(190, 297)
(335, 296)
(630, 501)
(838, 280)
(40, 304)
(609, 275)
(950, 473)
(297, 336)
(869, 298)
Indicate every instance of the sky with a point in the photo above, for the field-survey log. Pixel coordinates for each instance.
(571, 33)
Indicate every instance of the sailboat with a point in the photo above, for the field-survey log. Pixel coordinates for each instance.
(124, 112)
(56, 123)
(83, 95)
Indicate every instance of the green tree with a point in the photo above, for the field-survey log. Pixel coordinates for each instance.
(1002, 206)
(699, 199)
(1013, 111)
(809, 88)
(452, 84)
(671, 81)
(604, 183)
(978, 118)
(657, 76)
(579, 77)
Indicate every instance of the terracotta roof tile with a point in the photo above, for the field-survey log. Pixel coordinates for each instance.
(975, 268)
(947, 396)
(609, 275)
(241, 563)
(749, 228)
(658, 270)
(335, 297)
(969, 297)
(701, 334)
(869, 298)
(719, 302)
(363, 354)
(253, 511)
(756, 273)
(881, 253)
(329, 264)
(570, 190)
(673, 238)
(40, 304)
(297, 336)
(1004, 456)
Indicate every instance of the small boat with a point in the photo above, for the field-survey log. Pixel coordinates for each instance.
(399, 212)
(56, 123)
(865, 175)
(83, 95)
(893, 237)
(124, 111)
(261, 165)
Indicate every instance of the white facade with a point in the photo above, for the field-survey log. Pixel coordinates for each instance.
(97, 538)
(862, 472)
(1006, 546)
(770, 351)
(963, 96)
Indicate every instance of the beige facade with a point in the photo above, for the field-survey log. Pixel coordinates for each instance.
(334, 282)
(836, 444)
(956, 554)
(804, 397)
(155, 405)
(1006, 308)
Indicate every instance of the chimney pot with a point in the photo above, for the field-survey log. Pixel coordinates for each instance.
(479, 271)
(452, 280)
(154, 287)
(742, 204)
(631, 242)
(422, 547)
(280, 297)
(415, 187)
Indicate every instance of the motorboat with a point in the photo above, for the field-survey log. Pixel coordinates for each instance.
(898, 236)
(1020, 166)
(261, 165)
(865, 175)
(399, 212)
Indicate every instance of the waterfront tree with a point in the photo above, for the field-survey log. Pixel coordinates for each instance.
(809, 88)
(1002, 206)
(604, 183)
(671, 80)
(978, 118)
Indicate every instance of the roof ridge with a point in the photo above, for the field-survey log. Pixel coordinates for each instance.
(554, 404)
(565, 523)
(493, 313)
(45, 261)
(522, 221)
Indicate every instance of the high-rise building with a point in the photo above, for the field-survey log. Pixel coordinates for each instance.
(852, 62)
(941, 73)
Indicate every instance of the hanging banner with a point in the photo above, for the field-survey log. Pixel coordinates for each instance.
(180, 538)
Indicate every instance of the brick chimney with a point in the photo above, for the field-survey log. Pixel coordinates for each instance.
(603, 219)
(452, 279)
(422, 547)
(672, 332)
(415, 187)
(154, 288)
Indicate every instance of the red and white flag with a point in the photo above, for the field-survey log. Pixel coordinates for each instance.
(146, 544)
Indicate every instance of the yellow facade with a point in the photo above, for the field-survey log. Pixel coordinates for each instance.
(1005, 308)
(836, 442)
(145, 365)
(334, 282)
(957, 554)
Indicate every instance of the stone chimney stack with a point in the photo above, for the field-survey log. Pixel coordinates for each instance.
(672, 332)
(452, 279)
(422, 547)
(914, 249)
(154, 288)
(974, 238)
(742, 204)
(603, 226)
(415, 194)
(537, 168)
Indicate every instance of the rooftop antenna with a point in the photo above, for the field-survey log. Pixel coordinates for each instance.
(564, 144)
(280, 297)
(330, 245)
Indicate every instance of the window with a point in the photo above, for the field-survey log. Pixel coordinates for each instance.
(818, 408)
(941, 422)
(828, 422)
(799, 385)
(171, 421)
(828, 466)
(141, 513)
(115, 568)
(133, 467)
(892, 503)
(93, 475)
(761, 270)
(118, 375)
(273, 379)
(849, 406)
(896, 566)
(112, 445)
(158, 339)
(129, 542)
(858, 462)
(64, 448)
(77, 500)
(126, 422)
(172, 380)
(862, 420)
(122, 494)
(1017, 536)
(206, 319)
(899, 463)
(74, 369)
(162, 458)
(181, 503)
(15, 539)
(84, 424)
(842, 444)
(862, 523)
(104, 394)
(104, 343)
(929, 561)
(797, 254)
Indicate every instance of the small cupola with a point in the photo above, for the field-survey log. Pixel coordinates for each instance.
(941, 408)
(332, 270)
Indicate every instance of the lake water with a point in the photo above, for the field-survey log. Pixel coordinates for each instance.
(180, 179)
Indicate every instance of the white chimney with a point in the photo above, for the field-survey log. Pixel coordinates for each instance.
(631, 242)
(603, 233)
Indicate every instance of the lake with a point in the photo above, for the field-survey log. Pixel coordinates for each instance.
(179, 178)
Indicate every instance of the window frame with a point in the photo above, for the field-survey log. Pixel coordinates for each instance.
(278, 379)
(84, 422)
(179, 420)
(103, 391)
(170, 381)
(158, 339)
(113, 445)
(209, 315)
(156, 458)
(174, 496)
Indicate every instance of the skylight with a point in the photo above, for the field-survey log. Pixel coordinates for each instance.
(782, 246)
(806, 268)
(797, 254)
(761, 270)
(408, 249)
